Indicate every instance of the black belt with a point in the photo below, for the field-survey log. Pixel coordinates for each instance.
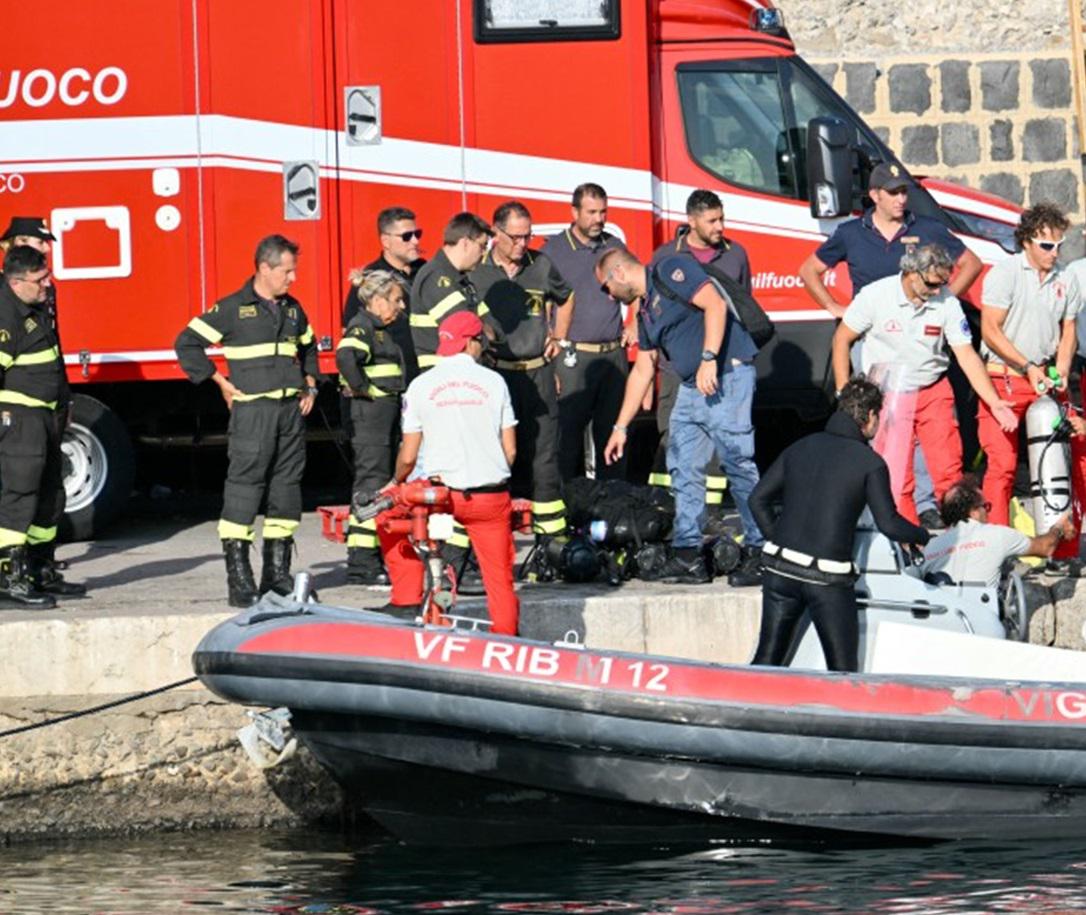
(478, 490)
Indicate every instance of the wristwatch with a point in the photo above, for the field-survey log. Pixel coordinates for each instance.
(707, 355)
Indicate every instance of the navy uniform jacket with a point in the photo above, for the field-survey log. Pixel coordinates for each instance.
(31, 365)
(518, 305)
(369, 359)
(269, 346)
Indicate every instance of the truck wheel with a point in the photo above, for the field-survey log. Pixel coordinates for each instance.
(99, 466)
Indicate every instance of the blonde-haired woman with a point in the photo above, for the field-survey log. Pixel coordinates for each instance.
(371, 366)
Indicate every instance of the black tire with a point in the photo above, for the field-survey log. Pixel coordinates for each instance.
(99, 467)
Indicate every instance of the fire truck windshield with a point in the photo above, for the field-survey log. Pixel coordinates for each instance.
(746, 122)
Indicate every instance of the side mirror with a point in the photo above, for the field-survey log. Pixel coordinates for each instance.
(829, 168)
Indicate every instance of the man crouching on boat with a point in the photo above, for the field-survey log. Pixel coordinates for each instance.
(464, 413)
(823, 481)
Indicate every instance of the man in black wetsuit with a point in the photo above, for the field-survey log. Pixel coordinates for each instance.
(824, 482)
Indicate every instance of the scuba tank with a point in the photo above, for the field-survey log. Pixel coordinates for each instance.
(1047, 434)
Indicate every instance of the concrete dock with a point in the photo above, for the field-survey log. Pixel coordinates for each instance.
(173, 761)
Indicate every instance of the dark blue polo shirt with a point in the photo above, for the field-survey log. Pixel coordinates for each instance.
(677, 328)
(871, 257)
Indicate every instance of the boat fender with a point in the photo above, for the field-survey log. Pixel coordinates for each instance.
(267, 741)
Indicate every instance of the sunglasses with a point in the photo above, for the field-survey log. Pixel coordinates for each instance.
(413, 235)
(1048, 245)
(933, 284)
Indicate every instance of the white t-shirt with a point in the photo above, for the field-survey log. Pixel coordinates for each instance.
(972, 552)
(460, 408)
(895, 331)
(1035, 310)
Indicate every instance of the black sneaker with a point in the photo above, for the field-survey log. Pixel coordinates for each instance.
(749, 573)
(682, 570)
(930, 520)
(1065, 568)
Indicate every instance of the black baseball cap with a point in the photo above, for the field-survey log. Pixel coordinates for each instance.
(888, 175)
(30, 226)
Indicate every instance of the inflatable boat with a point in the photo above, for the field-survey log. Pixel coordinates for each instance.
(449, 735)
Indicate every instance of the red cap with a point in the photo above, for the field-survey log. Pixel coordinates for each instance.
(454, 332)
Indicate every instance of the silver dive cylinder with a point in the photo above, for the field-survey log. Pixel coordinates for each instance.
(1049, 464)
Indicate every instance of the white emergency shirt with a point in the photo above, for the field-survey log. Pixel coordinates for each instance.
(460, 408)
(973, 552)
(1035, 310)
(895, 331)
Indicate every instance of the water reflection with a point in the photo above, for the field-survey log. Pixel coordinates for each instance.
(315, 872)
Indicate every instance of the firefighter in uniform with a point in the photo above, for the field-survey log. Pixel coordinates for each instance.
(372, 367)
(33, 396)
(272, 361)
(703, 239)
(34, 231)
(400, 237)
(520, 287)
(442, 288)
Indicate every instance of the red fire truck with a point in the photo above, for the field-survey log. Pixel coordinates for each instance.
(162, 138)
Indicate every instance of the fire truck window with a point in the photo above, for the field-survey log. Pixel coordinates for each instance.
(545, 20)
(735, 127)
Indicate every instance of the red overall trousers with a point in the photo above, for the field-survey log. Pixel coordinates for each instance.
(1002, 451)
(935, 426)
(486, 516)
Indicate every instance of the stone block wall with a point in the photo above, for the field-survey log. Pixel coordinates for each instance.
(1001, 122)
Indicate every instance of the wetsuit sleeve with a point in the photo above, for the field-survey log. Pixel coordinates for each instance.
(765, 495)
(203, 331)
(881, 502)
(352, 353)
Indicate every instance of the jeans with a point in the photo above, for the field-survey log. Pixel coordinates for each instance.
(700, 425)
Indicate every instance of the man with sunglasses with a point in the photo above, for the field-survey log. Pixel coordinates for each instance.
(399, 236)
(908, 320)
(872, 247)
(523, 290)
(1029, 307)
(33, 387)
(972, 550)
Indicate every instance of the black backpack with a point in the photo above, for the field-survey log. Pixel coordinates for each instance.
(742, 305)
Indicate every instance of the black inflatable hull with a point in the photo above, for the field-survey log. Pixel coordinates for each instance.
(452, 736)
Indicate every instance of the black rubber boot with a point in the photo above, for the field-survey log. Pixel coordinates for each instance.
(364, 566)
(41, 558)
(275, 575)
(239, 573)
(16, 587)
